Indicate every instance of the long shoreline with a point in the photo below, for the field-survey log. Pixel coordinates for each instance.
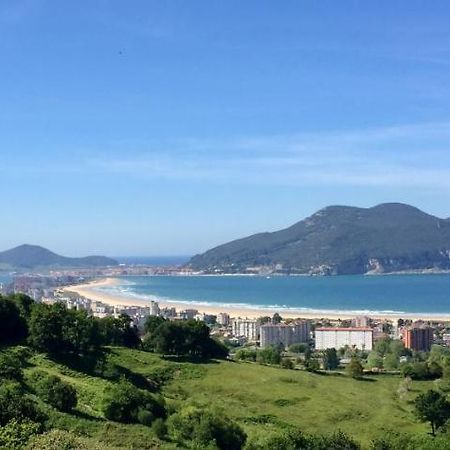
(90, 291)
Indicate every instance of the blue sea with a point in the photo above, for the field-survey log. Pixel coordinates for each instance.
(357, 294)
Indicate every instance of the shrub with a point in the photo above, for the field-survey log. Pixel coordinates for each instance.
(287, 363)
(126, 403)
(14, 435)
(159, 427)
(57, 440)
(57, 393)
(15, 404)
(10, 367)
(206, 429)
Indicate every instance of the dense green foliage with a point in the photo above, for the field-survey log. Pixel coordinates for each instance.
(433, 407)
(56, 392)
(185, 338)
(205, 429)
(126, 403)
(342, 240)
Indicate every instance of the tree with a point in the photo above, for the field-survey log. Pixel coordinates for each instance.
(276, 318)
(391, 362)
(13, 327)
(57, 393)
(312, 365)
(187, 338)
(269, 355)
(298, 348)
(354, 368)
(375, 360)
(206, 429)
(126, 403)
(152, 323)
(330, 359)
(287, 363)
(433, 407)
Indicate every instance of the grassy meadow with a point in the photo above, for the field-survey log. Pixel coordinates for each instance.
(259, 397)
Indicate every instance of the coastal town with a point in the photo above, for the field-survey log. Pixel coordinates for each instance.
(359, 333)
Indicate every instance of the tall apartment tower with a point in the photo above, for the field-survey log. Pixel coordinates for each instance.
(418, 339)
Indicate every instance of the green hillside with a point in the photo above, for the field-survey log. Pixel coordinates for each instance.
(260, 398)
(342, 240)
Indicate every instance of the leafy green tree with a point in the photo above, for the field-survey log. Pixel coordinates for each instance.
(269, 355)
(245, 354)
(57, 393)
(205, 429)
(287, 363)
(375, 360)
(312, 365)
(382, 346)
(276, 318)
(16, 434)
(298, 348)
(354, 368)
(16, 404)
(291, 439)
(187, 338)
(13, 327)
(152, 323)
(126, 403)
(433, 407)
(391, 361)
(10, 367)
(330, 359)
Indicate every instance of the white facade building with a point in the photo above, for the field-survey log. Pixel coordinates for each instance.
(223, 319)
(247, 328)
(360, 338)
(285, 334)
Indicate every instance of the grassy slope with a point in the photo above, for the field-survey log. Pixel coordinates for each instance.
(259, 397)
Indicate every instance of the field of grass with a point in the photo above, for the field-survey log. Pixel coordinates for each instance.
(260, 398)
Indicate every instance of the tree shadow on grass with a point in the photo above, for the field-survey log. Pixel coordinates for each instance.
(189, 359)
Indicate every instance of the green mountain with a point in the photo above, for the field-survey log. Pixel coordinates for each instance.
(341, 240)
(32, 256)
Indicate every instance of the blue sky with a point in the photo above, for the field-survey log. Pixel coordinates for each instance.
(168, 127)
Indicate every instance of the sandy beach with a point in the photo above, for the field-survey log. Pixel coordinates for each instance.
(90, 291)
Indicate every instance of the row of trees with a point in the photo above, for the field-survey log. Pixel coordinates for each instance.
(56, 330)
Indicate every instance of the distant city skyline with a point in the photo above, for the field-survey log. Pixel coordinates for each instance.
(167, 128)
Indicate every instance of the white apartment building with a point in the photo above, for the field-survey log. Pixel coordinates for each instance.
(360, 338)
(285, 334)
(247, 328)
(223, 319)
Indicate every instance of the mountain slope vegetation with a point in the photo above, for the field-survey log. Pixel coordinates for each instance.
(342, 240)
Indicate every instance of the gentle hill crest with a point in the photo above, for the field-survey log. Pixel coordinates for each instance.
(28, 256)
(341, 240)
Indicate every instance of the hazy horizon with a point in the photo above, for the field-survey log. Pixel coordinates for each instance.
(167, 128)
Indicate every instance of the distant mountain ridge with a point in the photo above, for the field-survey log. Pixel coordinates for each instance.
(341, 240)
(33, 256)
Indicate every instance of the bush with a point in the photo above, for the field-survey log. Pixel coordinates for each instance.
(287, 363)
(245, 354)
(15, 404)
(57, 393)
(126, 403)
(10, 367)
(298, 348)
(57, 440)
(14, 435)
(159, 427)
(206, 429)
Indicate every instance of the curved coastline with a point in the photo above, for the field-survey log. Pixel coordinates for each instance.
(97, 290)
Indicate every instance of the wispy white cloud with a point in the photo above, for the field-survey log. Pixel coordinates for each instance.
(408, 155)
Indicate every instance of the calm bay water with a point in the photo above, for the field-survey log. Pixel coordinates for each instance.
(393, 293)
